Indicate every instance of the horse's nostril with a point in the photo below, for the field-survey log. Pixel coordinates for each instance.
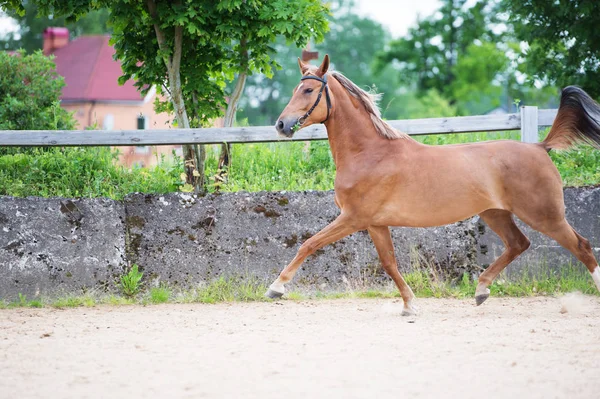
(280, 125)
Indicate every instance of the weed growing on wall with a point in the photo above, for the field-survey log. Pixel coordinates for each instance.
(130, 282)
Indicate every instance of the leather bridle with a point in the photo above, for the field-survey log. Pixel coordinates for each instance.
(323, 81)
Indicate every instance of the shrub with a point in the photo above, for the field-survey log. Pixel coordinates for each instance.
(29, 93)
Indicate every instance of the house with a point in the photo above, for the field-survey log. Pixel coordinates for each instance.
(92, 92)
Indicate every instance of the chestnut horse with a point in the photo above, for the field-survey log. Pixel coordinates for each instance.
(384, 178)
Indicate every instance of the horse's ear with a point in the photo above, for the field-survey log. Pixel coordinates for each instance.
(324, 66)
(303, 66)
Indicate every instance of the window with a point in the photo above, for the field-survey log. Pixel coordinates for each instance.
(142, 121)
(109, 122)
(142, 149)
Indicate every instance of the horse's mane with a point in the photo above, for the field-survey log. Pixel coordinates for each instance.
(369, 101)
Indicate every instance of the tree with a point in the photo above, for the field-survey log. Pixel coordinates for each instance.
(428, 56)
(480, 73)
(29, 93)
(31, 27)
(352, 43)
(563, 45)
(264, 97)
(190, 49)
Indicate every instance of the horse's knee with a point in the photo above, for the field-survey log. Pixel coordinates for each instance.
(307, 249)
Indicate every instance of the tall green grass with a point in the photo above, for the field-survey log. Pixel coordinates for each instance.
(81, 172)
(290, 166)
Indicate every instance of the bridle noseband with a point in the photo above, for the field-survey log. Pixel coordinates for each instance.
(323, 81)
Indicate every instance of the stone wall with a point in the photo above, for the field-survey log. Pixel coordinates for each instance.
(51, 247)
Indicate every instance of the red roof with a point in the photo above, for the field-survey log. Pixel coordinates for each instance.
(91, 73)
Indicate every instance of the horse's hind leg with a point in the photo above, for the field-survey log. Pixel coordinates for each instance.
(502, 223)
(566, 236)
(385, 249)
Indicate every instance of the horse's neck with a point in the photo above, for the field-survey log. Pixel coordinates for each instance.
(350, 129)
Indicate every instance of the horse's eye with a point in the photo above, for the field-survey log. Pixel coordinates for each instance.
(307, 91)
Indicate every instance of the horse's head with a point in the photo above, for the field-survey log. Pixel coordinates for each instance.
(311, 102)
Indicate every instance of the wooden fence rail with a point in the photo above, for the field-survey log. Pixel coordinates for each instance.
(528, 121)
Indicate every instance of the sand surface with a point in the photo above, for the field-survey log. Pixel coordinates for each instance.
(507, 348)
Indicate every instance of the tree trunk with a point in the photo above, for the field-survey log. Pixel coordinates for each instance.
(193, 154)
(225, 157)
(228, 121)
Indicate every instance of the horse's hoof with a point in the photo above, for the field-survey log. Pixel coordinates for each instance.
(409, 310)
(479, 299)
(273, 294)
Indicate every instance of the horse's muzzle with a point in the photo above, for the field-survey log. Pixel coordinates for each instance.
(285, 126)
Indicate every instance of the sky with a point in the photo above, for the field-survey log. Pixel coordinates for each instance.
(397, 15)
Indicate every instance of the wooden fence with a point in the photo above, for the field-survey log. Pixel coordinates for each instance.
(528, 121)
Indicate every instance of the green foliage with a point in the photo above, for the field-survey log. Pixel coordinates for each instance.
(462, 52)
(578, 167)
(219, 40)
(190, 49)
(278, 166)
(130, 282)
(294, 166)
(474, 79)
(81, 172)
(563, 45)
(428, 55)
(352, 42)
(29, 93)
(309, 166)
(23, 302)
(430, 104)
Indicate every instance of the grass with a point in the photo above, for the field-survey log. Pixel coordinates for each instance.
(160, 295)
(289, 166)
(81, 172)
(423, 283)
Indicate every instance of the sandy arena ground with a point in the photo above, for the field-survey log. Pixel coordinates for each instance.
(507, 348)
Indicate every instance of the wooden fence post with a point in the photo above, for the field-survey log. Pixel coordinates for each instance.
(529, 124)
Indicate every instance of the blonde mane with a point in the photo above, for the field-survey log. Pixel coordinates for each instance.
(369, 101)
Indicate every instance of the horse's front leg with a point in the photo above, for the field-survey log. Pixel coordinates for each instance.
(341, 227)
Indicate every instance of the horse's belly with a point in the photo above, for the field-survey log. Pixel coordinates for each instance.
(432, 211)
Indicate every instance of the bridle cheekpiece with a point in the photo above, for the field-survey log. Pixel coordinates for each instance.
(323, 81)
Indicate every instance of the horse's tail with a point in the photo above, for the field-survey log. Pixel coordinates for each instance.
(577, 121)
